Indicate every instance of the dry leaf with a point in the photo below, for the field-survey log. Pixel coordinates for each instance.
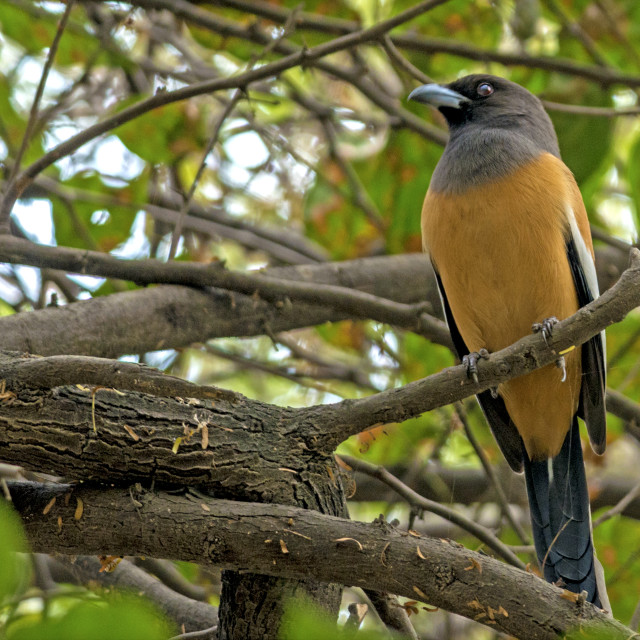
(502, 611)
(59, 524)
(568, 595)
(413, 533)
(176, 445)
(342, 463)
(422, 594)
(131, 432)
(283, 546)
(79, 509)
(360, 547)
(474, 565)
(474, 604)
(295, 533)
(109, 563)
(205, 435)
(420, 554)
(49, 506)
(204, 507)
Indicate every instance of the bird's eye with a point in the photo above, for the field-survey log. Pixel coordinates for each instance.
(484, 89)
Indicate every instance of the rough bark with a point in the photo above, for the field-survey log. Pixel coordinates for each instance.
(252, 451)
(285, 541)
(169, 317)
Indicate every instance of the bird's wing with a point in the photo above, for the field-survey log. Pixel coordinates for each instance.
(504, 431)
(581, 260)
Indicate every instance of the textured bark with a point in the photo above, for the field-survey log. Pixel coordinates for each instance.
(168, 317)
(285, 541)
(246, 454)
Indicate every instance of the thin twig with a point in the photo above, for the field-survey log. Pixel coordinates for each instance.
(400, 61)
(619, 507)
(491, 474)
(300, 56)
(577, 32)
(601, 112)
(203, 634)
(182, 214)
(355, 302)
(415, 499)
(33, 114)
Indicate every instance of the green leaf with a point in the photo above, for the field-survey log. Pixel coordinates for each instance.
(585, 141)
(303, 622)
(162, 135)
(79, 227)
(124, 618)
(633, 179)
(35, 31)
(14, 569)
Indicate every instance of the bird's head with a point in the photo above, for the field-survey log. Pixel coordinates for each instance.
(487, 101)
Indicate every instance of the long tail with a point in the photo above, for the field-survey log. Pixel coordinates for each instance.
(561, 519)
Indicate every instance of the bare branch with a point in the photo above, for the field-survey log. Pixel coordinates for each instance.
(356, 303)
(245, 536)
(422, 503)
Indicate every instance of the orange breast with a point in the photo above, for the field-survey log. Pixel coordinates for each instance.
(500, 250)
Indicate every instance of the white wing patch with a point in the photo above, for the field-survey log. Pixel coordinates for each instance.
(588, 266)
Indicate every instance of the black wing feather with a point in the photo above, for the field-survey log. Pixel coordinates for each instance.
(494, 409)
(592, 407)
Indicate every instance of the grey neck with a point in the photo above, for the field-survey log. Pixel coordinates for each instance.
(475, 155)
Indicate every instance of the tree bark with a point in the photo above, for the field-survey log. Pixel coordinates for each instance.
(302, 544)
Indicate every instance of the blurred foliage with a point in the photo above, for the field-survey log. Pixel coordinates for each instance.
(275, 170)
(26, 615)
(303, 622)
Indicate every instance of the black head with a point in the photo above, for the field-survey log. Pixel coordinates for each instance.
(486, 101)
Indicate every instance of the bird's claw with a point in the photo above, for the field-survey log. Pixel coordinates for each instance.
(471, 362)
(545, 327)
(562, 365)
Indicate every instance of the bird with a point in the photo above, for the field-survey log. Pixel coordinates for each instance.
(506, 229)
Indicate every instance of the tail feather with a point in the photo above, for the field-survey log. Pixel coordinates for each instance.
(561, 519)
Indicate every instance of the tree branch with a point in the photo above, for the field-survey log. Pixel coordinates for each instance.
(289, 542)
(184, 611)
(65, 414)
(349, 417)
(168, 317)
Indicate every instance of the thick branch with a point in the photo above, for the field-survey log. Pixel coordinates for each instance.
(168, 317)
(67, 444)
(355, 303)
(301, 544)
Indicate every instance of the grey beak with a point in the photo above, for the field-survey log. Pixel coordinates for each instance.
(438, 96)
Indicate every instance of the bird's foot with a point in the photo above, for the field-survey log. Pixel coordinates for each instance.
(471, 362)
(545, 327)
